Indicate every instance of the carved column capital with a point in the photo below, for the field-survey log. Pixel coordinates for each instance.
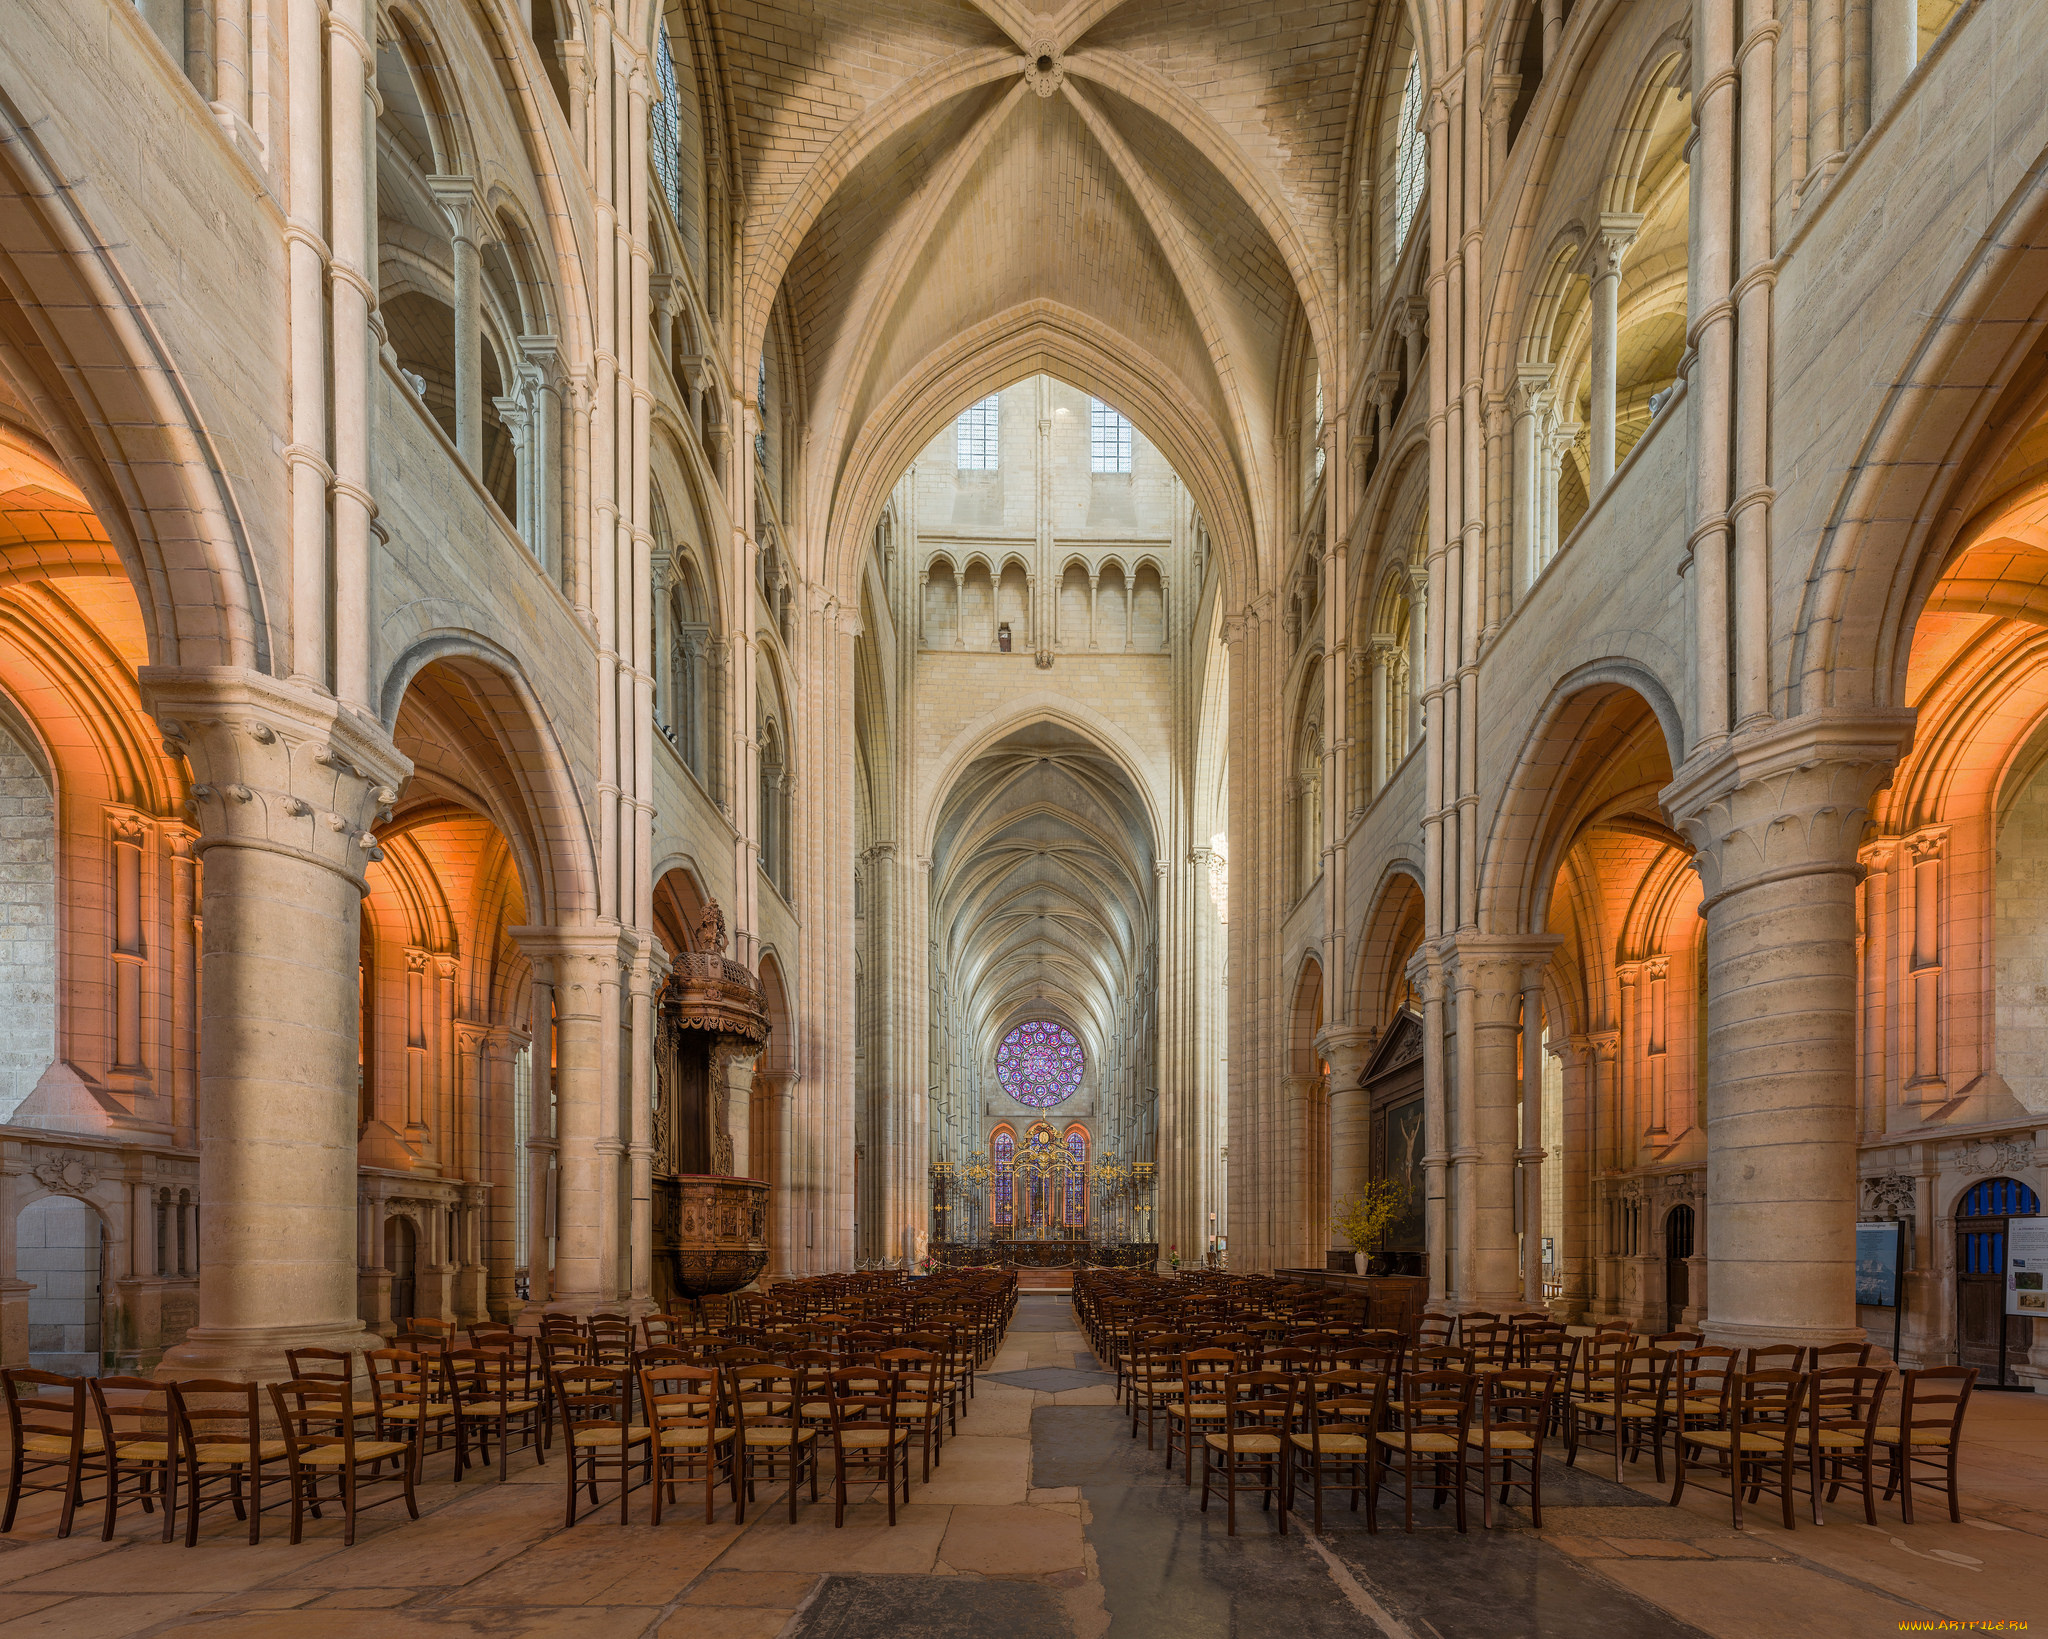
(276, 765)
(1790, 799)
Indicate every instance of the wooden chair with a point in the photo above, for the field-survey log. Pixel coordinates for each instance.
(772, 1427)
(1334, 1447)
(1514, 1417)
(1830, 1356)
(336, 1365)
(493, 1396)
(1761, 1438)
(918, 1402)
(1623, 1402)
(410, 1396)
(1154, 1378)
(1204, 1376)
(136, 1446)
(320, 1441)
(1695, 1395)
(1929, 1432)
(696, 1435)
(1258, 1415)
(1435, 1418)
(611, 1341)
(1842, 1406)
(1775, 1357)
(219, 1433)
(1677, 1342)
(1434, 1330)
(47, 1432)
(664, 1331)
(592, 1404)
(865, 1433)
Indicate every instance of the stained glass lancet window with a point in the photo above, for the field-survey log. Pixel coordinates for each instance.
(1002, 1154)
(1077, 1179)
(1411, 157)
(667, 135)
(1040, 1064)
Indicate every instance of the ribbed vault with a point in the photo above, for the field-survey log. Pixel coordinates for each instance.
(1042, 901)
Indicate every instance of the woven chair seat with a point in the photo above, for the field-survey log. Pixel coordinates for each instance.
(1257, 1444)
(1602, 1406)
(1346, 1443)
(684, 1437)
(508, 1408)
(142, 1451)
(1503, 1439)
(1838, 1439)
(237, 1451)
(873, 1439)
(1419, 1440)
(601, 1438)
(1921, 1437)
(1723, 1439)
(366, 1451)
(59, 1445)
(1201, 1408)
(779, 1436)
(764, 1408)
(434, 1408)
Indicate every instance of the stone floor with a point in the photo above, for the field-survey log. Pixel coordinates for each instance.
(1046, 1521)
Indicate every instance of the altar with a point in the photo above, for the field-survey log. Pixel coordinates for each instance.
(1046, 1254)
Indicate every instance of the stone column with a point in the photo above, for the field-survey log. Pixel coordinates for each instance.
(1530, 1155)
(1532, 400)
(286, 785)
(640, 1133)
(1776, 817)
(1604, 1090)
(1492, 972)
(1347, 1052)
(466, 214)
(539, 1159)
(1610, 245)
(1427, 974)
(1574, 1055)
(587, 967)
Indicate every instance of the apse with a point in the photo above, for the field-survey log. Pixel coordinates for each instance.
(1044, 949)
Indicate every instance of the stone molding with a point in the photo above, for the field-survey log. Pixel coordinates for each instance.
(1789, 799)
(1496, 968)
(276, 765)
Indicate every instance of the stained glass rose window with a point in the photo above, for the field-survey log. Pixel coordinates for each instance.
(1040, 1064)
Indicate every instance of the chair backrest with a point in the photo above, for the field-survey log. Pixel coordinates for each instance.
(1202, 1371)
(1767, 1403)
(1259, 1402)
(1775, 1357)
(1596, 1353)
(681, 1396)
(1344, 1402)
(859, 1398)
(1438, 1401)
(482, 1375)
(1439, 1357)
(400, 1378)
(660, 1354)
(1935, 1399)
(1518, 1400)
(59, 1416)
(338, 1364)
(611, 1339)
(213, 1412)
(312, 1412)
(1551, 1349)
(591, 1396)
(1845, 1398)
(1635, 1375)
(1827, 1356)
(1435, 1329)
(1677, 1342)
(1490, 1341)
(432, 1344)
(133, 1408)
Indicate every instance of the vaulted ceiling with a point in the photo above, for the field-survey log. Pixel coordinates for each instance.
(1161, 177)
(1042, 889)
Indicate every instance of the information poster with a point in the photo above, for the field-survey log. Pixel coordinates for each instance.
(1877, 1264)
(2026, 1267)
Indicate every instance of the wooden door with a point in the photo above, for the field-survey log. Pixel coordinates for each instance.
(1981, 1219)
(401, 1257)
(1678, 1242)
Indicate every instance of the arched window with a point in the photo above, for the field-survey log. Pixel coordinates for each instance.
(1411, 157)
(1308, 767)
(1077, 1178)
(1002, 1156)
(666, 139)
(774, 808)
(1040, 1064)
